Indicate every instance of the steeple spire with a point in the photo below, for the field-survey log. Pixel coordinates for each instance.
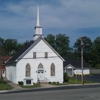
(38, 28)
(38, 20)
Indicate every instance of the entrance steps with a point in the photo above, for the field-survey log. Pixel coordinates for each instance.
(43, 82)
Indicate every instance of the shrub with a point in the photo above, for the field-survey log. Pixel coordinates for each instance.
(57, 82)
(66, 77)
(20, 82)
(97, 66)
(49, 82)
(54, 82)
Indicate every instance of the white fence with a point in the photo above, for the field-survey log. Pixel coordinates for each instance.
(94, 71)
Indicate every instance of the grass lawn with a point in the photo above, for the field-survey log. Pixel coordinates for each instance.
(33, 86)
(54, 83)
(72, 81)
(77, 81)
(3, 86)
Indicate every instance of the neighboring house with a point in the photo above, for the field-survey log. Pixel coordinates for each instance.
(3, 59)
(73, 67)
(35, 62)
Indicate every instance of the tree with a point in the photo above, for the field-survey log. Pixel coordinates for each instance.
(1, 46)
(95, 52)
(86, 50)
(60, 43)
(51, 40)
(20, 45)
(10, 45)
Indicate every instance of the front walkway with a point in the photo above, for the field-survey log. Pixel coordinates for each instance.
(15, 86)
(46, 85)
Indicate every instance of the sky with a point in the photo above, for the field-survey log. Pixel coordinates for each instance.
(75, 18)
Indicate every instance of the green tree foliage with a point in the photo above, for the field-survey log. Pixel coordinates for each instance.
(95, 52)
(51, 39)
(10, 45)
(97, 65)
(60, 43)
(20, 45)
(1, 46)
(86, 49)
(66, 77)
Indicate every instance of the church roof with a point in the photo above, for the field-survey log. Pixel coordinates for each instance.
(21, 51)
(76, 63)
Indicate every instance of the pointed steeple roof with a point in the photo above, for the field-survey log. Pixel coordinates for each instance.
(38, 19)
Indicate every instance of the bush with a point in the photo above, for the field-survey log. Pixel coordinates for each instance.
(97, 66)
(66, 77)
(54, 82)
(20, 82)
(49, 82)
(57, 82)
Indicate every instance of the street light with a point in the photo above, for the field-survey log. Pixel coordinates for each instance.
(82, 45)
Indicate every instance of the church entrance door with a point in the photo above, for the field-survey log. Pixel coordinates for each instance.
(40, 73)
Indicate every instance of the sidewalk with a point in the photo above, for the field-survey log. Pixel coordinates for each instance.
(47, 85)
(17, 87)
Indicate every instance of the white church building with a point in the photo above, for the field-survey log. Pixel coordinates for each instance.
(35, 62)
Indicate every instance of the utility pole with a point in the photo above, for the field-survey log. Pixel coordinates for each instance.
(82, 45)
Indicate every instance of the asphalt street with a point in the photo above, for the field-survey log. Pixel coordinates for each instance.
(67, 94)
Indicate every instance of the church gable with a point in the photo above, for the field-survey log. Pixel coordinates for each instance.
(41, 49)
(37, 49)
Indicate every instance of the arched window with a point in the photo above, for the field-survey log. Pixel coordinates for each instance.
(28, 69)
(40, 66)
(52, 70)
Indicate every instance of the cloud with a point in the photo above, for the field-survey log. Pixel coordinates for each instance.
(73, 17)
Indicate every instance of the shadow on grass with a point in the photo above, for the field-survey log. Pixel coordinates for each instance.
(4, 85)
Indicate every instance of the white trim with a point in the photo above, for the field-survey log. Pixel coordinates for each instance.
(70, 65)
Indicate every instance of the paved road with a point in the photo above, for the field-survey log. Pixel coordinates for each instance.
(70, 94)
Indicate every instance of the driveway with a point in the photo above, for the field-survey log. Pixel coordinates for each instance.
(92, 77)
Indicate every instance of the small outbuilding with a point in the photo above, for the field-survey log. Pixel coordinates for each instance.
(73, 67)
(3, 60)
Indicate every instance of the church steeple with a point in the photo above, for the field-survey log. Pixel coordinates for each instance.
(38, 19)
(38, 28)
